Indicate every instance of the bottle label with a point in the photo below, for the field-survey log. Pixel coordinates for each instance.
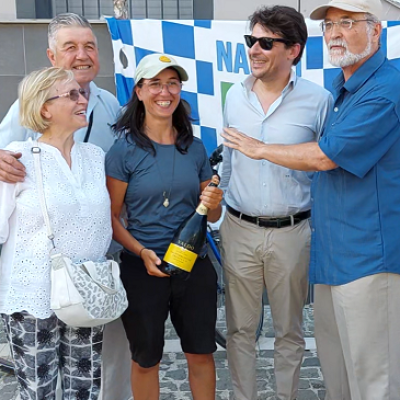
(180, 257)
(202, 209)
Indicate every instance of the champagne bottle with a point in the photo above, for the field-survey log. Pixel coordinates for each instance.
(188, 242)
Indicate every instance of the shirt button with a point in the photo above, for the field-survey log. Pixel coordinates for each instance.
(264, 184)
(312, 229)
(336, 109)
(264, 162)
(312, 199)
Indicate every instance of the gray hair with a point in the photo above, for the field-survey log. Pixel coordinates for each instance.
(371, 17)
(374, 20)
(65, 20)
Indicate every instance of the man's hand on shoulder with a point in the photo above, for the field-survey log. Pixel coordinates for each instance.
(11, 170)
(250, 147)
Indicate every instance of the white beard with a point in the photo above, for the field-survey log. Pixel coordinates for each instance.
(339, 59)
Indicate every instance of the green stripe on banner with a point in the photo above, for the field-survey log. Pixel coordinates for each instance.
(225, 86)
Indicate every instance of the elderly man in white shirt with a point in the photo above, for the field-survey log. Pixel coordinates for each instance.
(73, 45)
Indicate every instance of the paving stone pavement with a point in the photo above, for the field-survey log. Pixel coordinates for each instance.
(174, 375)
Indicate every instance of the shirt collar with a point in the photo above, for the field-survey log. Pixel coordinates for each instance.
(94, 97)
(361, 75)
(248, 82)
(94, 89)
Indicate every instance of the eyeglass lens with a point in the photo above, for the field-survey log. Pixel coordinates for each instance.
(74, 94)
(172, 87)
(345, 24)
(265, 43)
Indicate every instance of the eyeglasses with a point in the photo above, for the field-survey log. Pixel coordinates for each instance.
(73, 94)
(346, 24)
(266, 43)
(173, 87)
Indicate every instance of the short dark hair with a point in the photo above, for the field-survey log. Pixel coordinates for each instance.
(130, 124)
(284, 21)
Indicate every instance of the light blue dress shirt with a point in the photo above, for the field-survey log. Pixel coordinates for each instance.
(259, 187)
(356, 207)
(105, 109)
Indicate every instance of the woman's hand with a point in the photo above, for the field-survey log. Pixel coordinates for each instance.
(211, 197)
(151, 260)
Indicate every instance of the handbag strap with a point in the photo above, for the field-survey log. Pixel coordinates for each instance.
(36, 150)
(89, 128)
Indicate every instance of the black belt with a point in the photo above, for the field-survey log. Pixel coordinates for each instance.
(271, 222)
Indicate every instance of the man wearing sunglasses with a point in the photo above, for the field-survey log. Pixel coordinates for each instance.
(265, 233)
(73, 45)
(356, 207)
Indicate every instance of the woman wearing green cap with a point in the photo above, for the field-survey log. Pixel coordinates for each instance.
(158, 170)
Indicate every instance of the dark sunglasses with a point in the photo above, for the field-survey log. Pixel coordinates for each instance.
(266, 43)
(73, 94)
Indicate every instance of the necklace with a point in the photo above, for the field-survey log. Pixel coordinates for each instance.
(167, 194)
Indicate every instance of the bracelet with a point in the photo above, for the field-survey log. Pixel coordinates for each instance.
(140, 252)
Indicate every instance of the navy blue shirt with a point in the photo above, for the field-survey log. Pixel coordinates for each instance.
(149, 222)
(356, 207)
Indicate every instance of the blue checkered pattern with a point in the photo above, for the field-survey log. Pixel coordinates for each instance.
(213, 52)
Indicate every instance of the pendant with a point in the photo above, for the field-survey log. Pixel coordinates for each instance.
(166, 200)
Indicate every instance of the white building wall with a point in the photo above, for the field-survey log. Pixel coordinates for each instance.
(8, 10)
(390, 12)
(242, 9)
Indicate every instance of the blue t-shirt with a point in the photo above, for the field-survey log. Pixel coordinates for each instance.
(149, 222)
(356, 207)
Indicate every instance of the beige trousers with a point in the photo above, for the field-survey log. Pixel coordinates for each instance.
(255, 257)
(357, 330)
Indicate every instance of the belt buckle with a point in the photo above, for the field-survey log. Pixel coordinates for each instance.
(277, 221)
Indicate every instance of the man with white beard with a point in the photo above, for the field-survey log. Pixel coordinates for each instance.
(355, 208)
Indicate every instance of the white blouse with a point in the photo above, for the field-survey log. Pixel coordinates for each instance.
(79, 209)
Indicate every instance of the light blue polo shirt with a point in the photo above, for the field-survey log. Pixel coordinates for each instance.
(356, 207)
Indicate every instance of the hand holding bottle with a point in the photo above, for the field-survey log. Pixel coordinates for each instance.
(211, 196)
(189, 239)
(151, 260)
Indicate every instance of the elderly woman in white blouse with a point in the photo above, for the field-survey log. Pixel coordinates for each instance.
(52, 103)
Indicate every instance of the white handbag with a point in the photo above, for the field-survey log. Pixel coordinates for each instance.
(82, 294)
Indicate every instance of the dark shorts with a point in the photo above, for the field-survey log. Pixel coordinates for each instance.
(192, 304)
